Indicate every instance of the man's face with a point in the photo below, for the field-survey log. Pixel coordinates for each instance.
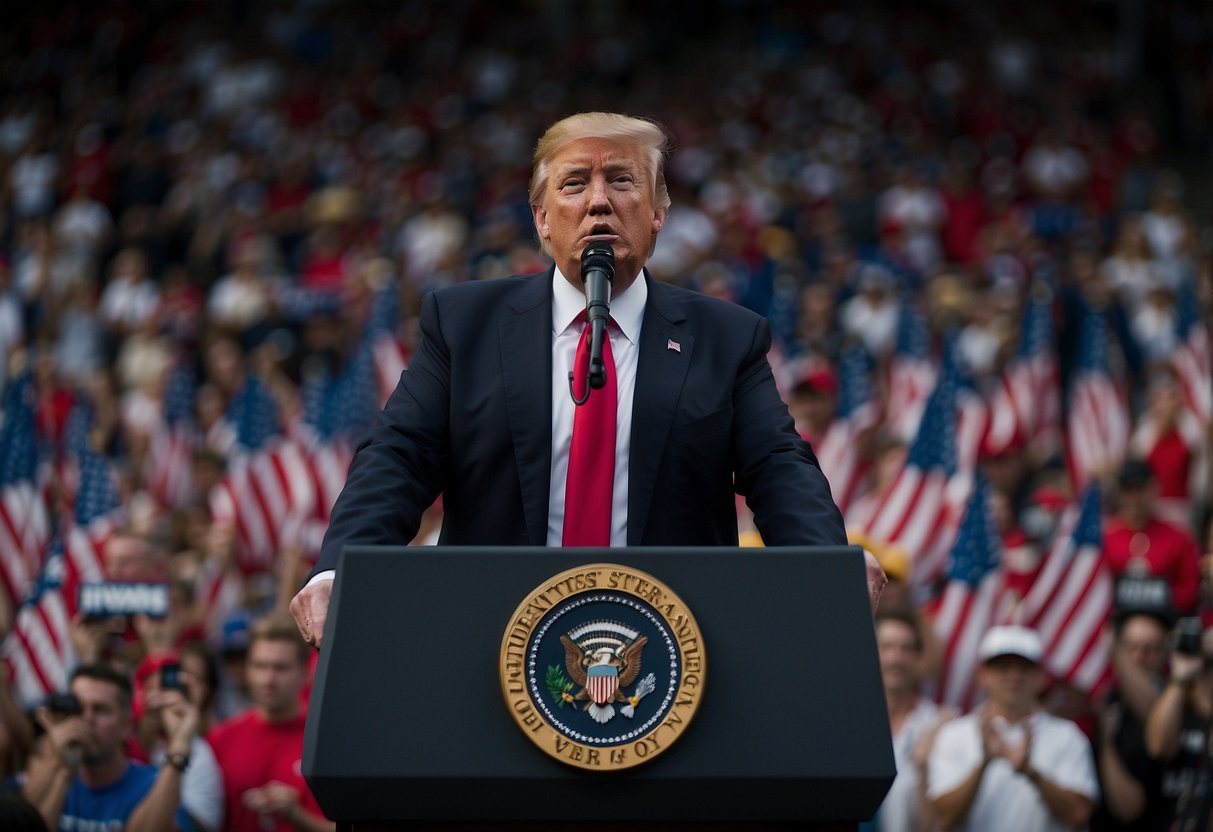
(1145, 640)
(127, 559)
(276, 677)
(1137, 503)
(108, 720)
(1012, 682)
(897, 645)
(599, 190)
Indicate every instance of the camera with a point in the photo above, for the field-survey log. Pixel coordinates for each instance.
(170, 677)
(63, 704)
(1188, 633)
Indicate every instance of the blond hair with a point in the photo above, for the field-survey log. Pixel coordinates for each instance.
(650, 135)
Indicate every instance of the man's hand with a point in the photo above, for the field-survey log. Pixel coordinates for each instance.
(67, 735)
(310, 608)
(991, 738)
(178, 716)
(1011, 742)
(876, 578)
(1185, 668)
(274, 798)
(1019, 753)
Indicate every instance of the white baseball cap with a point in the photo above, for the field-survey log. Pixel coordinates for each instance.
(1010, 641)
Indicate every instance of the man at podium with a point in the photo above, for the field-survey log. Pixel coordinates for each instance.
(588, 405)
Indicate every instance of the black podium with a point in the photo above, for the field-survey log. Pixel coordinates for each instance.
(408, 727)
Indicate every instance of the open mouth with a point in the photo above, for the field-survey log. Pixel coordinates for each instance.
(601, 232)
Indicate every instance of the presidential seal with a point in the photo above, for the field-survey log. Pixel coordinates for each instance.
(602, 667)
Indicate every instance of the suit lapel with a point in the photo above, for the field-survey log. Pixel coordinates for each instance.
(665, 356)
(526, 347)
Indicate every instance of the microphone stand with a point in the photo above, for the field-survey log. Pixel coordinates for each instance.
(597, 272)
(597, 376)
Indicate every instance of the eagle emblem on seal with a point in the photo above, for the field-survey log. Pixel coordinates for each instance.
(602, 659)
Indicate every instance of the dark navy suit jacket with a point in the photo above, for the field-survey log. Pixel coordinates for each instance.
(472, 419)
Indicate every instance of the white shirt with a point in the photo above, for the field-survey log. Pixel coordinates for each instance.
(1005, 799)
(627, 312)
(899, 811)
(128, 302)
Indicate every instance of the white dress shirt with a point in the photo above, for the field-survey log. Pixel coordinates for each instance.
(627, 313)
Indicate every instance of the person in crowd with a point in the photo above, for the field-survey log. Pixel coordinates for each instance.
(1138, 542)
(16, 738)
(813, 402)
(913, 719)
(158, 679)
(260, 750)
(200, 669)
(1177, 727)
(1010, 765)
(1170, 439)
(18, 815)
(705, 415)
(83, 779)
(1131, 785)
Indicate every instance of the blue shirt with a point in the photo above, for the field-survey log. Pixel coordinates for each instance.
(108, 809)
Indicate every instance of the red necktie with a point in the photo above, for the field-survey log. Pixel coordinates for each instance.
(590, 487)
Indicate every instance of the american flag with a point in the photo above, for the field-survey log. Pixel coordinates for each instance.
(98, 512)
(379, 334)
(1026, 404)
(857, 412)
(1071, 598)
(24, 522)
(264, 496)
(39, 648)
(972, 415)
(253, 415)
(1193, 359)
(384, 351)
(62, 475)
(971, 599)
(920, 511)
(1097, 426)
(169, 458)
(345, 406)
(281, 496)
(390, 361)
(912, 373)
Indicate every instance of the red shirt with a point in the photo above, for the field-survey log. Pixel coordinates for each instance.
(1171, 460)
(252, 752)
(966, 217)
(1159, 549)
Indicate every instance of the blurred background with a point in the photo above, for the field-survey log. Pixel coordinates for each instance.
(981, 233)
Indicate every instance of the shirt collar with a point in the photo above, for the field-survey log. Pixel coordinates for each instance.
(627, 308)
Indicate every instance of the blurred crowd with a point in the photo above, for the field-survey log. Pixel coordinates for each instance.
(217, 223)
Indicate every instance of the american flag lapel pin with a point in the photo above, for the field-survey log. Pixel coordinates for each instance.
(671, 344)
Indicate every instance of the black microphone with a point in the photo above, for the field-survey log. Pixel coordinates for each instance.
(597, 272)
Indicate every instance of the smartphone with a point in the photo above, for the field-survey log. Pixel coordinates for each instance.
(170, 677)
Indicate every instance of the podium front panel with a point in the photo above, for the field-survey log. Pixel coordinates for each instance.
(407, 720)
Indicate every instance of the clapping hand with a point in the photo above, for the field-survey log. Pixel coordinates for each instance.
(1011, 742)
(274, 798)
